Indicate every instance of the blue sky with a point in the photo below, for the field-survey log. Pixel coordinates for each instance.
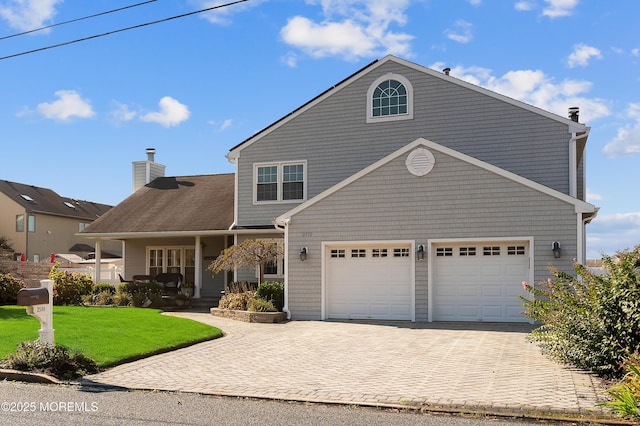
(73, 118)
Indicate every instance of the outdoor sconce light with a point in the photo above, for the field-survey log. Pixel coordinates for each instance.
(303, 254)
(420, 252)
(555, 247)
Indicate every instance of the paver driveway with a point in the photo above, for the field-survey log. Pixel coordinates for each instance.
(468, 366)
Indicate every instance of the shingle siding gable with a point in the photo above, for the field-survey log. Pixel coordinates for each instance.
(335, 140)
(456, 200)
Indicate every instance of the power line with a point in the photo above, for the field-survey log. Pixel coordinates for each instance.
(122, 29)
(76, 20)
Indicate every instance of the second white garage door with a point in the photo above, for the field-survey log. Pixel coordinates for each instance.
(479, 281)
(369, 281)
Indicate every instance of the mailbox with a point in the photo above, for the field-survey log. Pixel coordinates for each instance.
(33, 296)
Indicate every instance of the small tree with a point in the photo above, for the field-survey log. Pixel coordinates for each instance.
(249, 253)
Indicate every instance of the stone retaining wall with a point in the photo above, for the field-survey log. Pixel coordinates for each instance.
(246, 316)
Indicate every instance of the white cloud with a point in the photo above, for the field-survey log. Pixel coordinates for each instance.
(536, 88)
(25, 15)
(171, 113)
(475, 2)
(351, 29)
(610, 233)
(461, 32)
(524, 6)
(222, 15)
(627, 140)
(582, 54)
(290, 59)
(635, 52)
(226, 124)
(69, 105)
(593, 197)
(559, 8)
(121, 113)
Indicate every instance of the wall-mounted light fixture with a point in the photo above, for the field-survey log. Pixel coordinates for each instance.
(557, 251)
(420, 252)
(303, 254)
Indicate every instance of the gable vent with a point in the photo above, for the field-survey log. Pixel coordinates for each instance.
(420, 162)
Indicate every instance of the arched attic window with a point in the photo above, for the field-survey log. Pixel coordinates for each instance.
(389, 98)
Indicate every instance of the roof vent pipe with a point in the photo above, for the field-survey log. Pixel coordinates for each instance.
(446, 71)
(150, 154)
(574, 112)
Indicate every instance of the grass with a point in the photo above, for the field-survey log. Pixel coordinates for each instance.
(108, 335)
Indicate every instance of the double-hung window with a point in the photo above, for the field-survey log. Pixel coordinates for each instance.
(276, 182)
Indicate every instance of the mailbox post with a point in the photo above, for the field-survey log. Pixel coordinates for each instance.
(39, 304)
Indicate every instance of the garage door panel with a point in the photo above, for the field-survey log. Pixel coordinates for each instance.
(369, 287)
(480, 287)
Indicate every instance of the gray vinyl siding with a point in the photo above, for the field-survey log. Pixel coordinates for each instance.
(456, 200)
(335, 140)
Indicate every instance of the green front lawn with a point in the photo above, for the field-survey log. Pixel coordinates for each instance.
(108, 335)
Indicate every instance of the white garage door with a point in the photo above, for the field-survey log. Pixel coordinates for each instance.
(369, 282)
(479, 281)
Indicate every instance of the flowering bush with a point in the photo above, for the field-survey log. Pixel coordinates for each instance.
(591, 322)
(69, 288)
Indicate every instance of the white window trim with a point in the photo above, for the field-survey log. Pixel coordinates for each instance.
(396, 117)
(280, 166)
(165, 258)
(280, 263)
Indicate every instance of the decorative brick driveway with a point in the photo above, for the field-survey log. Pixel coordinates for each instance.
(485, 367)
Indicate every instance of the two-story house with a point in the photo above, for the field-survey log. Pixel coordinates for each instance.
(400, 193)
(38, 222)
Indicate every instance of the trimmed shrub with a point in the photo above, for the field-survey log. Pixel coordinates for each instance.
(138, 294)
(102, 287)
(591, 322)
(261, 305)
(9, 287)
(37, 356)
(69, 288)
(272, 292)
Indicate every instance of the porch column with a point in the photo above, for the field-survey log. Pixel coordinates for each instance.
(98, 258)
(198, 272)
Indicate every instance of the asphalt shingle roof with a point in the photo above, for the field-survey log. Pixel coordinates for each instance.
(173, 204)
(45, 201)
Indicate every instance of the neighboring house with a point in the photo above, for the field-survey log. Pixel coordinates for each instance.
(38, 222)
(401, 193)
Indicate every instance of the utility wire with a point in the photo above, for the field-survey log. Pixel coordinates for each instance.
(76, 20)
(122, 29)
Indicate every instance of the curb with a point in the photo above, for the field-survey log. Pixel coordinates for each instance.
(22, 376)
(462, 410)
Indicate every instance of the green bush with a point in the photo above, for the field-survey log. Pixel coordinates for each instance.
(43, 357)
(9, 287)
(102, 287)
(626, 394)
(261, 305)
(69, 288)
(138, 294)
(591, 322)
(236, 301)
(272, 292)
